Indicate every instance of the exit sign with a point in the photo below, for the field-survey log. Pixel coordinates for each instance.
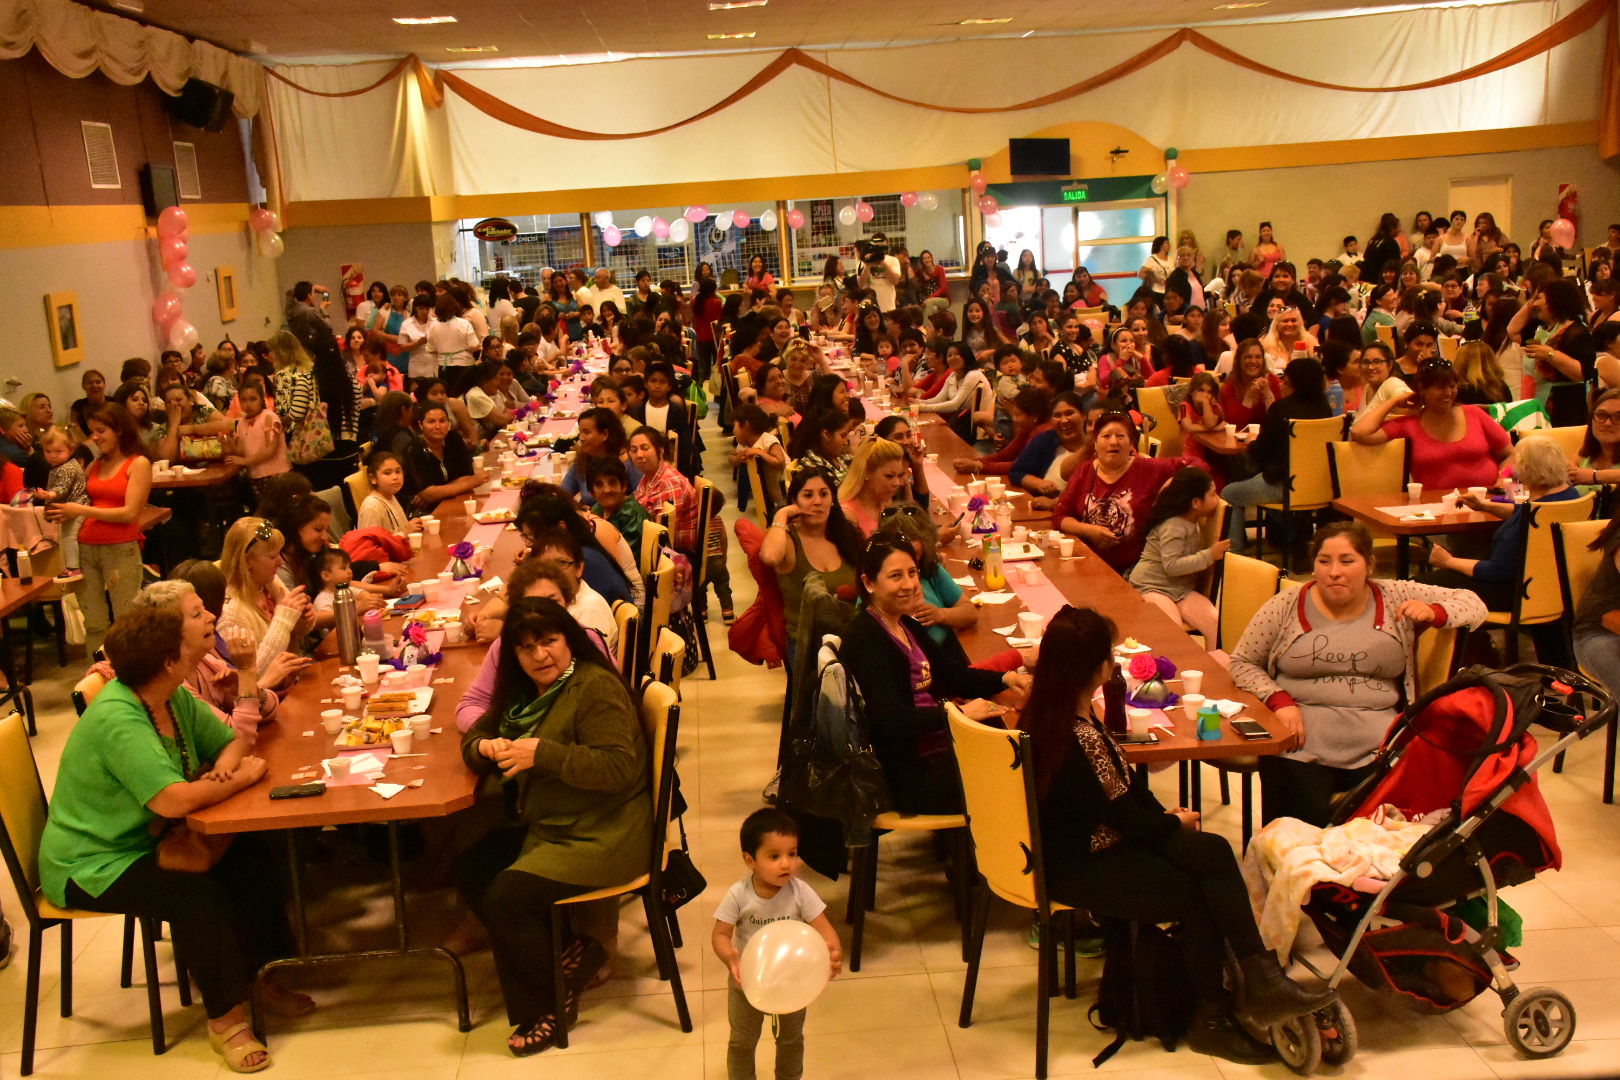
(1076, 193)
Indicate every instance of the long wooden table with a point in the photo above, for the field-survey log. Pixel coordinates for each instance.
(210, 475)
(1384, 513)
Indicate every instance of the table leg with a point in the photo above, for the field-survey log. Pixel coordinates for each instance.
(1196, 795)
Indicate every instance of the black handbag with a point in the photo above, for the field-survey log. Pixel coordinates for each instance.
(682, 882)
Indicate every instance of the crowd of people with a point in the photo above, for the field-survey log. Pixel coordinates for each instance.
(1042, 387)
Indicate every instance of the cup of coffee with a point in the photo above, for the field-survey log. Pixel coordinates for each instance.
(417, 674)
(1139, 722)
(1192, 682)
(402, 740)
(351, 699)
(337, 768)
(431, 525)
(1030, 625)
(367, 664)
(416, 542)
(419, 727)
(1065, 546)
(332, 721)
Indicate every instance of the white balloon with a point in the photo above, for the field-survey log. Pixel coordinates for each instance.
(767, 221)
(847, 215)
(644, 225)
(680, 230)
(271, 245)
(1160, 184)
(928, 201)
(722, 222)
(603, 218)
(785, 967)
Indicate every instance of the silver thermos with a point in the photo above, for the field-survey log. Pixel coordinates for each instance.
(348, 624)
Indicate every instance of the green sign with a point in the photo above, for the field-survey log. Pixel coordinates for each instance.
(1076, 194)
(1058, 192)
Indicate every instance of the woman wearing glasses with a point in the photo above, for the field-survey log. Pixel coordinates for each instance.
(1599, 459)
(1452, 445)
(255, 598)
(905, 677)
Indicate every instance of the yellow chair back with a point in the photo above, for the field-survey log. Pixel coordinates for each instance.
(998, 786)
(1309, 483)
(1577, 562)
(668, 653)
(756, 491)
(707, 501)
(629, 620)
(653, 539)
(1569, 439)
(359, 487)
(1436, 648)
(1540, 598)
(1368, 470)
(22, 798)
(1154, 401)
(1245, 585)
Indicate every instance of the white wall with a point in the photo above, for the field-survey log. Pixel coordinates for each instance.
(116, 285)
(395, 254)
(1313, 208)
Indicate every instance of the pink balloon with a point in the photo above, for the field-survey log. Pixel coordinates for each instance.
(611, 236)
(795, 218)
(993, 221)
(978, 183)
(864, 211)
(182, 336)
(908, 198)
(172, 222)
(1178, 176)
(988, 206)
(696, 214)
(172, 249)
(740, 219)
(660, 228)
(166, 309)
(1562, 232)
(259, 220)
(182, 275)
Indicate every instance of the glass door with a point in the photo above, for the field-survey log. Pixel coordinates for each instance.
(1111, 240)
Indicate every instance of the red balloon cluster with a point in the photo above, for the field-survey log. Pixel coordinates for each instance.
(168, 310)
(266, 226)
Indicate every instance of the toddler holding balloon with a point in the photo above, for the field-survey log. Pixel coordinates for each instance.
(783, 979)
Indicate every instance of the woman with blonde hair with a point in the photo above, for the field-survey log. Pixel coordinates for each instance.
(1479, 375)
(293, 384)
(1287, 331)
(874, 478)
(255, 599)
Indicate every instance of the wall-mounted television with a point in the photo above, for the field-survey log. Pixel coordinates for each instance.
(1038, 157)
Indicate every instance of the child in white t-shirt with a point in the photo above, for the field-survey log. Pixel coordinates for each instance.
(769, 892)
(381, 508)
(330, 568)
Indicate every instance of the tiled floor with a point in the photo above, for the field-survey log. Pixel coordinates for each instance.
(896, 1018)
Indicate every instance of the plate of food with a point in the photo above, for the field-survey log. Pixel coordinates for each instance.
(1130, 647)
(397, 703)
(495, 517)
(513, 481)
(370, 731)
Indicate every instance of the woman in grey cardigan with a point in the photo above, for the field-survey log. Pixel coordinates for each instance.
(1335, 660)
(564, 734)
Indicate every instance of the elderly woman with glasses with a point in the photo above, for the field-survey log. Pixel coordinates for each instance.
(1453, 446)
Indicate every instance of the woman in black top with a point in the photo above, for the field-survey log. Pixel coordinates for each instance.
(395, 425)
(438, 465)
(1304, 387)
(1112, 849)
(904, 677)
(1382, 248)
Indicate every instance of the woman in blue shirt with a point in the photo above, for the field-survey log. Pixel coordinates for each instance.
(1039, 469)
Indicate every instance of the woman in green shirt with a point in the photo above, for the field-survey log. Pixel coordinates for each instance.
(564, 734)
(146, 754)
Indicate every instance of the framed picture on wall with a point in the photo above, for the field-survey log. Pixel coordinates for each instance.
(225, 281)
(62, 322)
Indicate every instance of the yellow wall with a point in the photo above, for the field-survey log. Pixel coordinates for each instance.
(51, 226)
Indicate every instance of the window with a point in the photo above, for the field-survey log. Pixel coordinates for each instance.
(1112, 241)
(914, 228)
(553, 240)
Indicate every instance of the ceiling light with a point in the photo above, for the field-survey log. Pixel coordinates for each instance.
(431, 20)
(471, 48)
(984, 22)
(736, 4)
(730, 37)
(1240, 7)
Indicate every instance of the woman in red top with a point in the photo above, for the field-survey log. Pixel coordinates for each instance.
(1251, 389)
(1452, 446)
(109, 542)
(1092, 295)
(1030, 411)
(1110, 496)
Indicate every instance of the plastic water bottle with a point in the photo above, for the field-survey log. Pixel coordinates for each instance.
(347, 618)
(25, 567)
(994, 578)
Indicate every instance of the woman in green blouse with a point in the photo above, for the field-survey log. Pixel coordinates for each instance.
(146, 754)
(564, 735)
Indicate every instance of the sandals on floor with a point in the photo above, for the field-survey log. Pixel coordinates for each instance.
(235, 1055)
(538, 1037)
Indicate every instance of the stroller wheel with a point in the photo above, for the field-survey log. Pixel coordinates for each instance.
(1298, 1043)
(1540, 1022)
(1337, 1030)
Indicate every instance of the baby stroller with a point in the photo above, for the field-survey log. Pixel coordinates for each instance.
(1463, 758)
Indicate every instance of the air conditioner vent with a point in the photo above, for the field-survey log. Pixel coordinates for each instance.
(185, 167)
(99, 152)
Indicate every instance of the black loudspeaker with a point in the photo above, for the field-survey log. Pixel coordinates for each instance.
(202, 105)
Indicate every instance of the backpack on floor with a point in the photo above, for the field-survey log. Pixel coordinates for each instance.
(1145, 991)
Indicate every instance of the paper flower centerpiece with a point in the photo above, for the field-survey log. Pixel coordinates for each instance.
(461, 552)
(413, 648)
(1142, 668)
(1150, 673)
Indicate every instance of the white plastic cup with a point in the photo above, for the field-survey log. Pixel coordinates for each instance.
(332, 721)
(1029, 573)
(402, 740)
(431, 525)
(1253, 430)
(1020, 534)
(394, 681)
(351, 699)
(452, 633)
(958, 503)
(995, 488)
(1190, 704)
(471, 506)
(430, 588)
(417, 674)
(1478, 492)
(337, 768)
(1030, 625)
(419, 727)
(1231, 429)
(975, 487)
(1139, 722)
(445, 577)
(416, 542)
(366, 664)
(1065, 546)
(1414, 493)
(1192, 682)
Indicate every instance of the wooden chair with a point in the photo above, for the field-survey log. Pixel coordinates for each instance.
(863, 864)
(23, 810)
(629, 619)
(1148, 446)
(1309, 488)
(1212, 528)
(1246, 584)
(1357, 469)
(1438, 649)
(668, 653)
(85, 691)
(673, 453)
(708, 500)
(359, 485)
(756, 493)
(654, 615)
(1577, 565)
(1154, 401)
(654, 537)
(998, 783)
(660, 718)
(1569, 439)
(1538, 599)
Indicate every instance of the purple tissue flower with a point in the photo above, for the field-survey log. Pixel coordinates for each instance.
(462, 550)
(1167, 669)
(977, 503)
